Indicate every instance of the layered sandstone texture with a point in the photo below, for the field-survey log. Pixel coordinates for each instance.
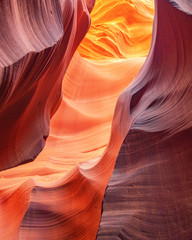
(95, 120)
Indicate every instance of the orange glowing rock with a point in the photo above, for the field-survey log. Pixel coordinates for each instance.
(119, 29)
(56, 198)
(31, 87)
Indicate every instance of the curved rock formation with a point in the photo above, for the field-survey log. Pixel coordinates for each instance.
(28, 26)
(149, 194)
(40, 199)
(119, 29)
(31, 87)
(83, 136)
(185, 5)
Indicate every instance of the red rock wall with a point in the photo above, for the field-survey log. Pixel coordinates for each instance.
(141, 153)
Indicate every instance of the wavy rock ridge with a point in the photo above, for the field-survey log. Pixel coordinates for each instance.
(31, 87)
(148, 195)
(119, 30)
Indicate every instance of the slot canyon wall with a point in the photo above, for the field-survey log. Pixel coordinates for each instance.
(95, 120)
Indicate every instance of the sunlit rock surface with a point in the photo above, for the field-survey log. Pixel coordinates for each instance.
(31, 87)
(149, 195)
(119, 29)
(54, 197)
(79, 131)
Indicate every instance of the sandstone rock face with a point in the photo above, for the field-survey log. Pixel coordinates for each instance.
(37, 42)
(184, 5)
(95, 143)
(149, 194)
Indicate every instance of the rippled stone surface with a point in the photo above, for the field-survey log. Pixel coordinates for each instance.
(65, 124)
(31, 78)
(149, 194)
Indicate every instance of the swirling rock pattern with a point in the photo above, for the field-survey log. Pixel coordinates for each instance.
(119, 29)
(31, 87)
(49, 203)
(149, 194)
(28, 26)
(78, 214)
